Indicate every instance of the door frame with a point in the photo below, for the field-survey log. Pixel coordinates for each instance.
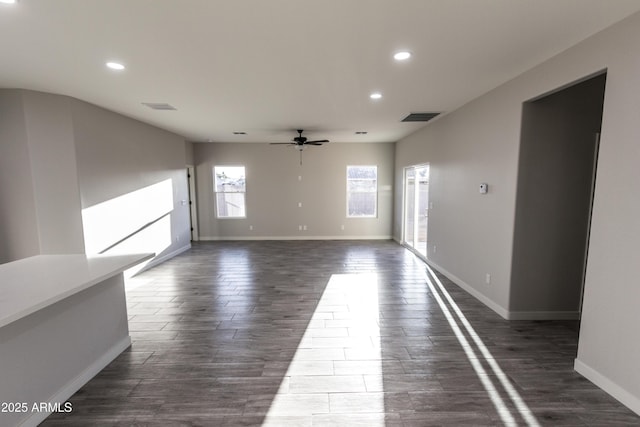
(193, 206)
(416, 207)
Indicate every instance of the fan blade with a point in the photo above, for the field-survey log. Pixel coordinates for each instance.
(282, 143)
(318, 142)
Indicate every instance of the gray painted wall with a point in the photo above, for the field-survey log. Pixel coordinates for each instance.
(480, 143)
(274, 191)
(471, 232)
(609, 350)
(188, 149)
(118, 156)
(553, 206)
(53, 164)
(60, 155)
(39, 198)
(18, 224)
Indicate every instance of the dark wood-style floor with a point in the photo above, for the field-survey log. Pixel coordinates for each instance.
(330, 334)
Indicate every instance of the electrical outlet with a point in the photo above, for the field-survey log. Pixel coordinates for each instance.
(435, 249)
(342, 227)
(304, 227)
(251, 227)
(299, 228)
(299, 204)
(487, 279)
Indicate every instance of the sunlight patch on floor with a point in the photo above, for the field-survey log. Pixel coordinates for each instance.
(455, 315)
(345, 323)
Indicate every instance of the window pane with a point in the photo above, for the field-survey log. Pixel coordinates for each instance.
(230, 187)
(362, 172)
(362, 191)
(230, 205)
(230, 179)
(362, 204)
(361, 185)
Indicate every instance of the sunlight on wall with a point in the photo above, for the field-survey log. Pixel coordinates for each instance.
(135, 222)
(506, 414)
(360, 293)
(155, 238)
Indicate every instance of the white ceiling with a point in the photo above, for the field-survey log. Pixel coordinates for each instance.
(267, 67)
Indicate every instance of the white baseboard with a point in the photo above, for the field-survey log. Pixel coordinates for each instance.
(244, 238)
(74, 385)
(544, 315)
(629, 400)
(502, 312)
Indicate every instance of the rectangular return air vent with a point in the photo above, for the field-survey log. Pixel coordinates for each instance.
(419, 117)
(159, 106)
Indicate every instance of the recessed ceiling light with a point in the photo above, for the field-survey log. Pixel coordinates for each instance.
(402, 56)
(115, 66)
(375, 95)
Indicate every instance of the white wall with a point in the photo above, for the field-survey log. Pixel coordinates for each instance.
(274, 191)
(474, 234)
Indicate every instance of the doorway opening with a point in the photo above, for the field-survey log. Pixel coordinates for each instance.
(556, 176)
(416, 208)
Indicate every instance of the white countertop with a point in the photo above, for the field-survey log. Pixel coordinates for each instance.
(31, 284)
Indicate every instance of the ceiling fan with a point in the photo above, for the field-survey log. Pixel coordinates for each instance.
(300, 142)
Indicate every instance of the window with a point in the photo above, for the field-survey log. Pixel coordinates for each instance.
(230, 188)
(362, 191)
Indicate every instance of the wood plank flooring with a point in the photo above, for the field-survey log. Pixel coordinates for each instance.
(299, 333)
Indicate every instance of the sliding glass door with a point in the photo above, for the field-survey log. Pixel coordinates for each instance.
(416, 207)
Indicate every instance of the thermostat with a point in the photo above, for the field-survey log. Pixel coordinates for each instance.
(484, 188)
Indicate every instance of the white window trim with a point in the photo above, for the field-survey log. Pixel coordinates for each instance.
(215, 192)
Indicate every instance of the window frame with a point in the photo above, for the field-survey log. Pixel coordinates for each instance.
(375, 192)
(216, 192)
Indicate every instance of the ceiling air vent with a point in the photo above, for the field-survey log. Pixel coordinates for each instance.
(159, 106)
(419, 117)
